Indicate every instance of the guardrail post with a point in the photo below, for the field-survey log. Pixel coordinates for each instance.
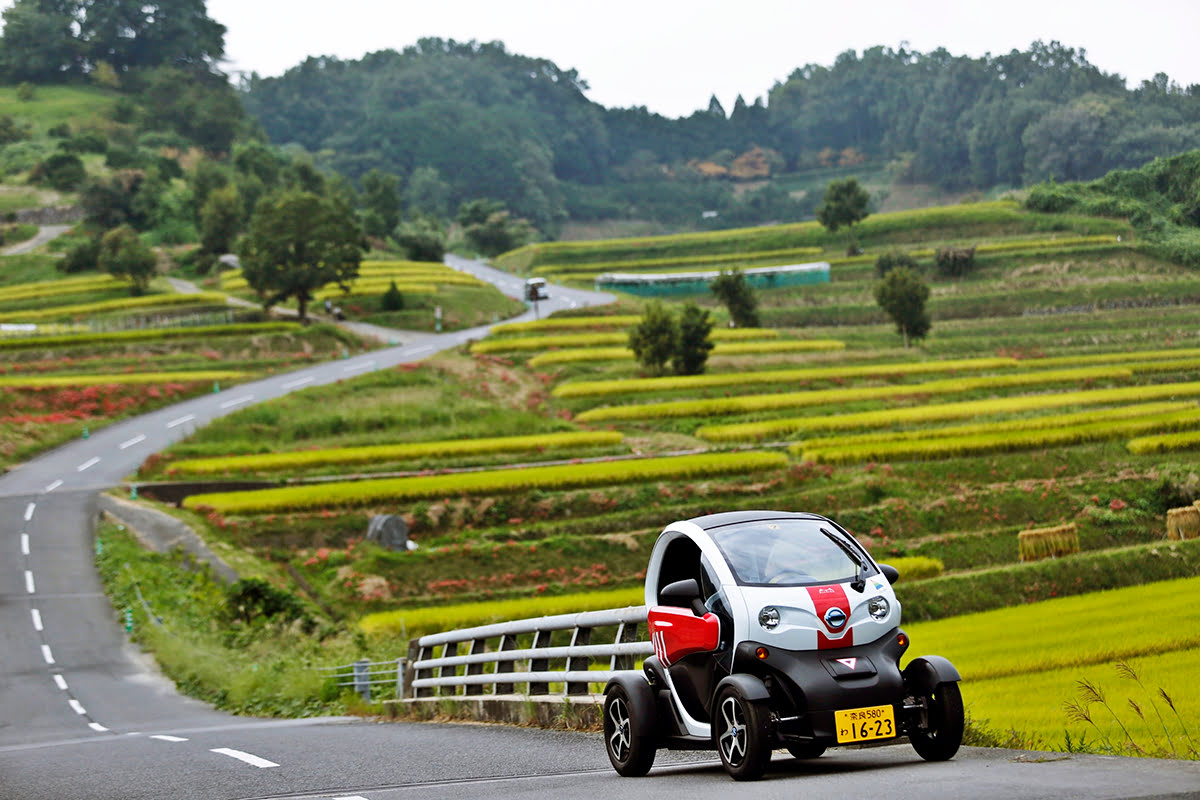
(362, 680)
(401, 677)
(448, 651)
(540, 639)
(580, 638)
(507, 642)
(626, 632)
(421, 652)
(477, 646)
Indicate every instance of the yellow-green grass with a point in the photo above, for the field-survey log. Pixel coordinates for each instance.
(527, 343)
(1092, 628)
(999, 426)
(915, 568)
(939, 412)
(720, 406)
(302, 459)
(45, 329)
(551, 478)
(28, 381)
(436, 619)
(26, 291)
(1004, 440)
(1112, 358)
(567, 323)
(335, 291)
(590, 354)
(775, 376)
(423, 271)
(159, 334)
(1165, 443)
(120, 304)
(650, 264)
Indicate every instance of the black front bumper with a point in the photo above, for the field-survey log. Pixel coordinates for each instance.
(808, 686)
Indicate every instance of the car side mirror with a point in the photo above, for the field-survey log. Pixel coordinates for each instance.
(682, 594)
(891, 573)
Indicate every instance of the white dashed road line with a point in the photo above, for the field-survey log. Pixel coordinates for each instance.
(141, 437)
(177, 422)
(359, 367)
(237, 402)
(422, 349)
(60, 682)
(37, 619)
(29, 511)
(297, 383)
(249, 758)
(77, 707)
(24, 544)
(29, 587)
(51, 487)
(162, 737)
(91, 462)
(46, 654)
(97, 727)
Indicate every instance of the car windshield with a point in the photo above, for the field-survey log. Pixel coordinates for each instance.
(783, 552)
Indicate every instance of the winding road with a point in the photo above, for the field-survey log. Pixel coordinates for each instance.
(83, 714)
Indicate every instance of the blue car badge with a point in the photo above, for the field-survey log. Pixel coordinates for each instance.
(835, 617)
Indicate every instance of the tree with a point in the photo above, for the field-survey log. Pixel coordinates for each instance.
(654, 339)
(427, 192)
(297, 243)
(732, 289)
(422, 239)
(694, 341)
(124, 255)
(489, 228)
(392, 299)
(381, 196)
(902, 294)
(845, 203)
(894, 258)
(220, 220)
(62, 171)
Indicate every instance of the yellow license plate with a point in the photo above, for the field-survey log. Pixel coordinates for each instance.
(864, 724)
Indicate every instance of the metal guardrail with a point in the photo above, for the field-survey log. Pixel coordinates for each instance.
(504, 655)
(364, 674)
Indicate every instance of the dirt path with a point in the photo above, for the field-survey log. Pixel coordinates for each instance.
(45, 234)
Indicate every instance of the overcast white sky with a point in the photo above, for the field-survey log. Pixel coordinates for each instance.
(671, 55)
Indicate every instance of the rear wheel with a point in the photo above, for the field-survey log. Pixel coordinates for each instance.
(631, 754)
(806, 751)
(743, 735)
(940, 738)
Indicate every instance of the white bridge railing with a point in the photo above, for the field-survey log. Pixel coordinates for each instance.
(547, 656)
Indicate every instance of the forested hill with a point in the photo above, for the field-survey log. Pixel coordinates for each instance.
(520, 129)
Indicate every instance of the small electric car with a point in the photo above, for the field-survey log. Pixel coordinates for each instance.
(774, 630)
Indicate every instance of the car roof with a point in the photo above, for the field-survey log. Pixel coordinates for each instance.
(710, 521)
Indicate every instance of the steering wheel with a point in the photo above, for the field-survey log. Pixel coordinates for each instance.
(790, 576)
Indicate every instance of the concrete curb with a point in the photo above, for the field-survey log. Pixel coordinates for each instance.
(163, 533)
(513, 709)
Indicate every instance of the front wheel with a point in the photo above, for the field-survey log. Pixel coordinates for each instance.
(631, 754)
(743, 735)
(940, 738)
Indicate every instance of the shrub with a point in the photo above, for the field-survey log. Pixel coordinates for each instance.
(954, 262)
(902, 294)
(252, 599)
(61, 171)
(393, 299)
(124, 255)
(694, 342)
(25, 91)
(655, 338)
(732, 289)
(886, 262)
(1035, 544)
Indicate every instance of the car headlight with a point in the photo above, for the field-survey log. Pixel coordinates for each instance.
(878, 607)
(769, 617)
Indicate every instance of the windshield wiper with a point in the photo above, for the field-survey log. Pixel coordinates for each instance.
(860, 577)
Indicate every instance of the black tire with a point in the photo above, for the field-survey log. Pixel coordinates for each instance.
(631, 753)
(806, 751)
(939, 741)
(742, 734)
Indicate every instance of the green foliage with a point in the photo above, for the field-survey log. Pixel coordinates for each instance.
(490, 229)
(25, 91)
(381, 200)
(297, 243)
(392, 299)
(889, 260)
(61, 171)
(732, 289)
(845, 203)
(83, 257)
(694, 342)
(902, 294)
(251, 600)
(655, 338)
(422, 239)
(123, 255)
(220, 220)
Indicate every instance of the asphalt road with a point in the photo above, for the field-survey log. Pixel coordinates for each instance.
(84, 715)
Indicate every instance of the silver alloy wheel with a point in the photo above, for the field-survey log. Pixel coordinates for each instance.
(619, 741)
(733, 731)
